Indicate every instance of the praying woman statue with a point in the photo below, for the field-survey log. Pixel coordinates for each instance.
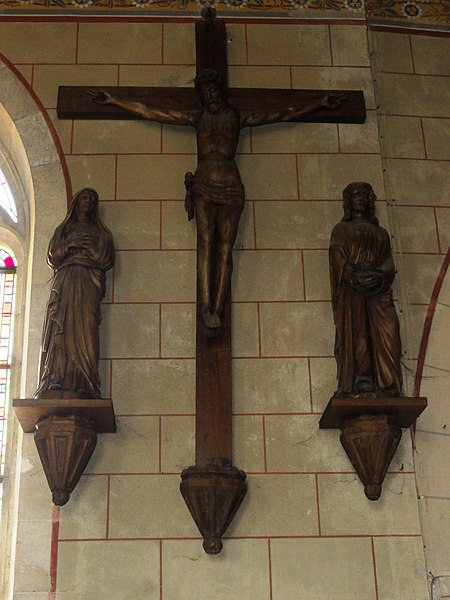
(80, 252)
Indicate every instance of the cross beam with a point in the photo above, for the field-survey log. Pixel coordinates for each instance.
(74, 103)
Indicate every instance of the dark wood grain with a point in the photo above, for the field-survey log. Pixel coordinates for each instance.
(30, 410)
(213, 394)
(75, 103)
(211, 46)
(406, 410)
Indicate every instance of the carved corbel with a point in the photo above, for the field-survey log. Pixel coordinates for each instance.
(65, 433)
(371, 432)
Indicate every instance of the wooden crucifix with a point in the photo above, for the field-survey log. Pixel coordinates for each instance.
(213, 489)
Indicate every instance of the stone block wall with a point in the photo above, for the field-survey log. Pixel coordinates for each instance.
(305, 529)
(412, 76)
(413, 92)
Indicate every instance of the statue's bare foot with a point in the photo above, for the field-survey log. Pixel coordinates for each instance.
(211, 320)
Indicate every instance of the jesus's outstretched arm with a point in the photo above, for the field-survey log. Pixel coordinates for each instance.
(161, 115)
(291, 112)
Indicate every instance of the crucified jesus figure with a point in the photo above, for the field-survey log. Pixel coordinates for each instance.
(215, 194)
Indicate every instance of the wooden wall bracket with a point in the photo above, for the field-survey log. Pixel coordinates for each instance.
(65, 432)
(371, 432)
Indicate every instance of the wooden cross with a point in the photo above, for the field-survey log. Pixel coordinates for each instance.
(213, 489)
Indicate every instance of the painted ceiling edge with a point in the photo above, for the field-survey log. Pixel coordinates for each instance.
(8, 15)
(49, 122)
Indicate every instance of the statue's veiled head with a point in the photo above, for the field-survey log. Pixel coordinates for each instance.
(84, 205)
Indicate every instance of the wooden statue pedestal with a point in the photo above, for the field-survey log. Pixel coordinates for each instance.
(213, 495)
(371, 431)
(65, 432)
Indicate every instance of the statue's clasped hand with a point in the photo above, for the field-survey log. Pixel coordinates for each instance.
(86, 240)
(369, 280)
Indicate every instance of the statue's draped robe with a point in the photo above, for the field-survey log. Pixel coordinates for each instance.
(70, 344)
(367, 345)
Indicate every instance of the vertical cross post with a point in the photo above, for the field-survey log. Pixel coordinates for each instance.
(213, 489)
(213, 354)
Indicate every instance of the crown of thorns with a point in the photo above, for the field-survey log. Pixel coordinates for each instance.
(209, 76)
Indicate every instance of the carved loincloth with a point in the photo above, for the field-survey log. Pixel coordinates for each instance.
(225, 193)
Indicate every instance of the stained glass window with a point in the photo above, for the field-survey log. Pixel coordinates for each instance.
(7, 292)
(6, 198)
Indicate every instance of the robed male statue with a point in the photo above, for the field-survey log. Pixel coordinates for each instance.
(215, 192)
(367, 346)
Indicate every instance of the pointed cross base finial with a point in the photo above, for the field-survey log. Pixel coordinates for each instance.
(213, 495)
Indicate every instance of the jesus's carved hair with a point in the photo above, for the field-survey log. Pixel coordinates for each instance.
(210, 76)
